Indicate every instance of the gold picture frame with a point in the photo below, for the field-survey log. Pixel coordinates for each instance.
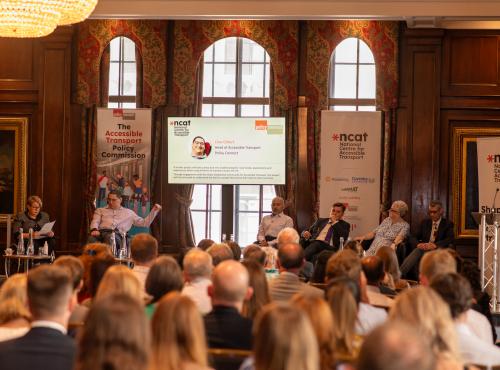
(465, 177)
(13, 165)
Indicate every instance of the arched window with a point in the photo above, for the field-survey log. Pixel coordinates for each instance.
(352, 77)
(236, 83)
(122, 88)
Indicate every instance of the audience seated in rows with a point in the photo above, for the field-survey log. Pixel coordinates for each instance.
(373, 268)
(143, 251)
(197, 272)
(235, 248)
(220, 252)
(392, 278)
(258, 283)
(14, 314)
(254, 252)
(119, 279)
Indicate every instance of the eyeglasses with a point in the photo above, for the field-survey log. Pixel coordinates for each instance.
(199, 143)
(394, 210)
(431, 212)
(113, 199)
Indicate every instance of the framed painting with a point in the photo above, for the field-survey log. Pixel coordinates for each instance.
(13, 163)
(465, 178)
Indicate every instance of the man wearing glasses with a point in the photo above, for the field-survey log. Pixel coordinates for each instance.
(198, 148)
(434, 232)
(116, 218)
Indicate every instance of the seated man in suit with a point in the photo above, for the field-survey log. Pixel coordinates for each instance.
(224, 325)
(325, 233)
(272, 224)
(46, 346)
(434, 232)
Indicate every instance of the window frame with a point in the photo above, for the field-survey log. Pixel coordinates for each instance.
(120, 99)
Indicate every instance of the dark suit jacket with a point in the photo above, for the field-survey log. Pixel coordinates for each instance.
(445, 234)
(40, 349)
(226, 328)
(340, 229)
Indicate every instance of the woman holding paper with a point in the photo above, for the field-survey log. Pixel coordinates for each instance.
(34, 219)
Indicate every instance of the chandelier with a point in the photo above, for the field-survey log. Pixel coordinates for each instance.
(37, 18)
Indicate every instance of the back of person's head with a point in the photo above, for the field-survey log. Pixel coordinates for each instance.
(390, 259)
(425, 311)
(90, 253)
(455, 290)
(49, 292)
(178, 334)
(373, 267)
(344, 264)
(284, 339)
(470, 271)
(436, 262)
(98, 268)
(119, 279)
(116, 335)
(258, 282)
(14, 299)
(291, 256)
(236, 249)
(320, 266)
(74, 266)
(197, 264)
(204, 244)
(164, 276)
(220, 252)
(394, 346)
(254, 252)
(288, 235)
(356, 247)
(143, 248)
(320, 316)
(230, 282)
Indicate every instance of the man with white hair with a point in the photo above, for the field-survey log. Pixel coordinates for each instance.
(197, 271)
(272, 224)
(224, 326)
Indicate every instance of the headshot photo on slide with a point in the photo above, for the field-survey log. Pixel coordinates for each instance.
(200, 148)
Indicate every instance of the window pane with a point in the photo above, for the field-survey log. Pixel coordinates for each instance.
(224, 110)
(346, 51)
(366, 108)
(215, 227)
(365, 54)
(347, 108)
(345, 81)
(112, 105)
(207, 80)
(248, 226)
(366, 82)
(206, 110)
(129, 78)
(252, 84)
(128, 50)
(208, 54)
(129, 105)
(199, 197)
(225, 80)
(249, 198)
(113, 78)
(225, 50)
(198, 225)
(216, 197)
(114, 49)
(268, 193)
(252, 52)
(252, 110)
(266, 110)
(267, 80)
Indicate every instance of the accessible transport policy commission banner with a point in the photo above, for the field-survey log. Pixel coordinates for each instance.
(350, 167)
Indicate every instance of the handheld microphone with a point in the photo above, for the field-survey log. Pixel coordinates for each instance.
(493, 209)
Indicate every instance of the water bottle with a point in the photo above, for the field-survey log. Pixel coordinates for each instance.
(45, 248)
(223, 238)
(31, 246)
(20, 243)
(113, 244)
(125, 247)
(341, 243)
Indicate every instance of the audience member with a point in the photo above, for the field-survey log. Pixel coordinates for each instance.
(356, 247)
(253, 252)
(98, 268)
(116, 335)
(164, 276)
(347, 264)
(89, 254)
(258, 283)
(14, 314)
(204, 244)
(394, 346)
(457, 293)
(287, 235)
(197, 271)
(319, 272)
(143, 250)
(220, 252)
(284, 340)
(271, 225)
(119, 279)
(178, 335)
(373, 268)
(392, 278)
(321, 319)
(290, 262)
(224, 325)
(46, 345)
(236, 249)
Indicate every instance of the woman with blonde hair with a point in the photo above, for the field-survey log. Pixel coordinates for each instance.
(258, 282)
(178, 335)
(321, 320)
(119, 279)
(14, 314)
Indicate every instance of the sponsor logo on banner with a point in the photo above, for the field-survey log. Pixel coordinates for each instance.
(352, 208)
(340, 179)
(117, 112)
(129, 116)
(275, 130)
(362, 180)
(261, 124)
(350, 189)
(351, 146)
(181, 128)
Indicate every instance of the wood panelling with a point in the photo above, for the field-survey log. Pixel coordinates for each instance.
(17, 70)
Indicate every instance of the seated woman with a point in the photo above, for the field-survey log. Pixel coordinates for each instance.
(391, 232)
(34, 219)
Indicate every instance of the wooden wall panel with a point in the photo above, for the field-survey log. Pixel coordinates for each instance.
(17, 70)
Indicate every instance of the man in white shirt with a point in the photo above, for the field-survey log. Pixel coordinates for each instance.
(272, 224)
(143, 250)
(197, 271)
(116, 218)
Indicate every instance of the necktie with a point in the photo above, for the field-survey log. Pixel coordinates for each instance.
(433, 232)
(329, 233)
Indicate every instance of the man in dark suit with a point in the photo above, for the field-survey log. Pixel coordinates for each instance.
(224, 325)
(434, 232)
(325, 233)
(46, 345)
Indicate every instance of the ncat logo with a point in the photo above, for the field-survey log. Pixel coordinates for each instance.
(493, 158)
(349, 137)
(180, 123)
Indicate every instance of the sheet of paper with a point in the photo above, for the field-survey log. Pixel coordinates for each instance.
(45, 230)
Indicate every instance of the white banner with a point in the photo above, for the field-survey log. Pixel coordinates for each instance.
(124, 157)
(488, 166)
(350, 167)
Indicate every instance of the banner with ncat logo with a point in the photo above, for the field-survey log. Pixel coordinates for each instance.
(350, 167)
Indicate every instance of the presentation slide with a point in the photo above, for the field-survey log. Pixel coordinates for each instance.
(226, 150)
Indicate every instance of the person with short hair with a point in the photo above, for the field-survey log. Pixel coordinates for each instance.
(15, 317)
(235, 248)
(253, 252)
(204, 244)
(224, 325)
(220, 252)
(143, 251)
(325, 233)
(51, 300)
(197, 271)
(272, 224)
